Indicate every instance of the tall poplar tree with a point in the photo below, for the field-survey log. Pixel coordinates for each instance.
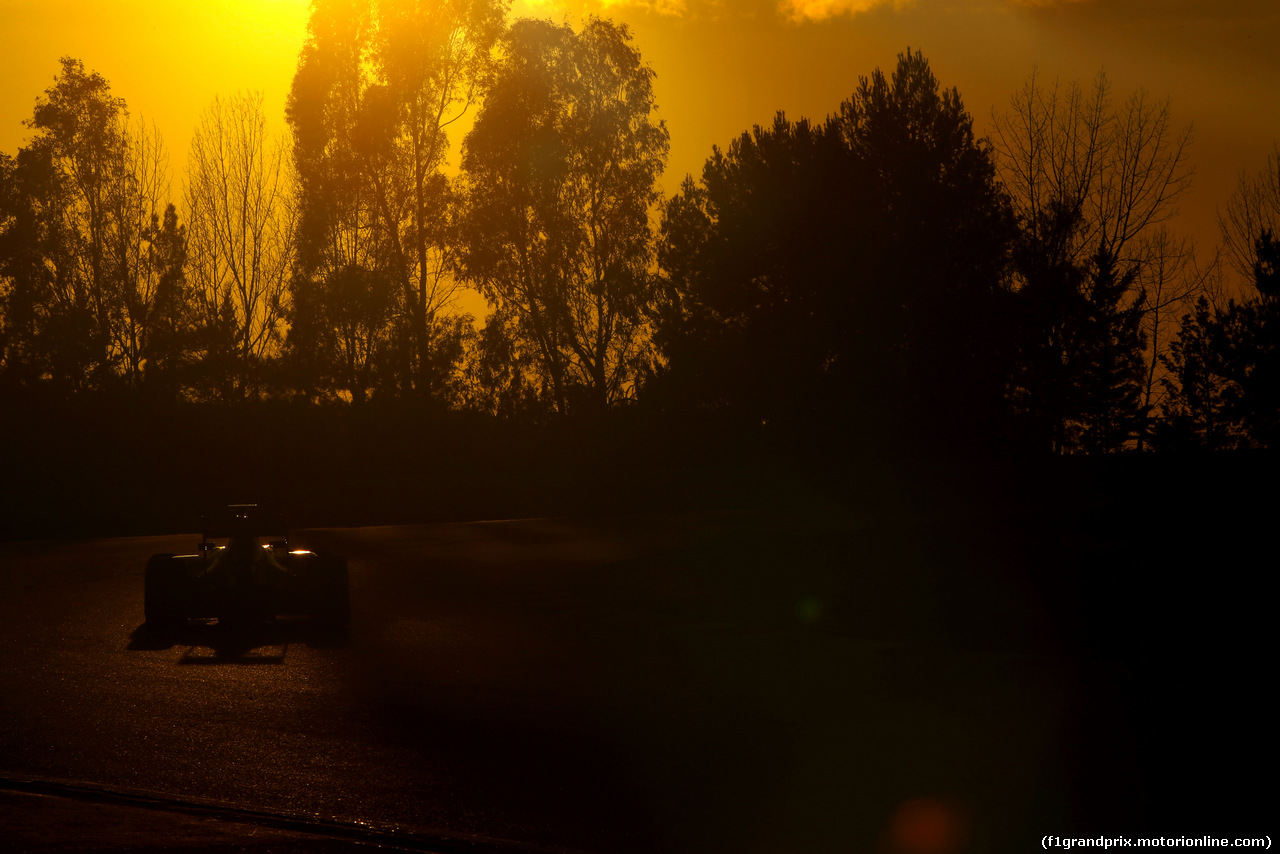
(379, 85)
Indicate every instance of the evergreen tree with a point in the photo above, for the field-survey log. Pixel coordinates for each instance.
(166, 348)
(849, 273)
(1111, 370)
(1224, 384)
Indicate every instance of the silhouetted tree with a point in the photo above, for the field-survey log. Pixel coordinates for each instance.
(1202, 385)
(560, 172)
(939, 239)
(1173, 282)
(1111, 369)
(1091, 184)
(1266, 266)
(339, 338)
(1224, 367)
(135, 209)
(1253, 210)
(168, 340)
(83, 202)
(377, 88)
(855, 269)
(1261, 390)
(755, 312)
(497, 377)
(79, 121)
(239, 240)
(48, 326)
(1083, 173)
(1081, 373)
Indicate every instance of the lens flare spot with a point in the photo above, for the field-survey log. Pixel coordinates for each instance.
(809, 610)
(927, 826)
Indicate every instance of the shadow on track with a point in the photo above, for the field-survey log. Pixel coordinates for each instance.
(215, 642)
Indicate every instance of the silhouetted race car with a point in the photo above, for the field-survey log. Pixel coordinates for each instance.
(239, 580)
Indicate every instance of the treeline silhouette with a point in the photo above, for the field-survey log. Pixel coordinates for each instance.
(886, 281)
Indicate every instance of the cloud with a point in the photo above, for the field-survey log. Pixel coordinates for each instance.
(809, 11)
(672, 8)
(820, 10)
(1163, 10)
(660, 7)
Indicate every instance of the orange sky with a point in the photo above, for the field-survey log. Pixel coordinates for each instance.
(723, 65)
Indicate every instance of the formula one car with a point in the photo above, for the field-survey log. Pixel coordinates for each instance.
(241, 581)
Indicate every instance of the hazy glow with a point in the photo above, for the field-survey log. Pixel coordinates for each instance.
(722, 65)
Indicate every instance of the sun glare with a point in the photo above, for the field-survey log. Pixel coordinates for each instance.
(266, 25)
(271, 18)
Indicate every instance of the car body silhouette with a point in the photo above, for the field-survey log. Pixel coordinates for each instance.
(237, 579)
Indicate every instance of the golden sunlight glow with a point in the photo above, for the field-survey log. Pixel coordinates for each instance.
(167, 67)
(818, 10)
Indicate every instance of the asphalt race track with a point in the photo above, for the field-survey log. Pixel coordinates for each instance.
(741, 682)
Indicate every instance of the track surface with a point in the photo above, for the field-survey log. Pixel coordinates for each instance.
(719, 682)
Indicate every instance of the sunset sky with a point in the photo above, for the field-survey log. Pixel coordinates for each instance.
(723, 65)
